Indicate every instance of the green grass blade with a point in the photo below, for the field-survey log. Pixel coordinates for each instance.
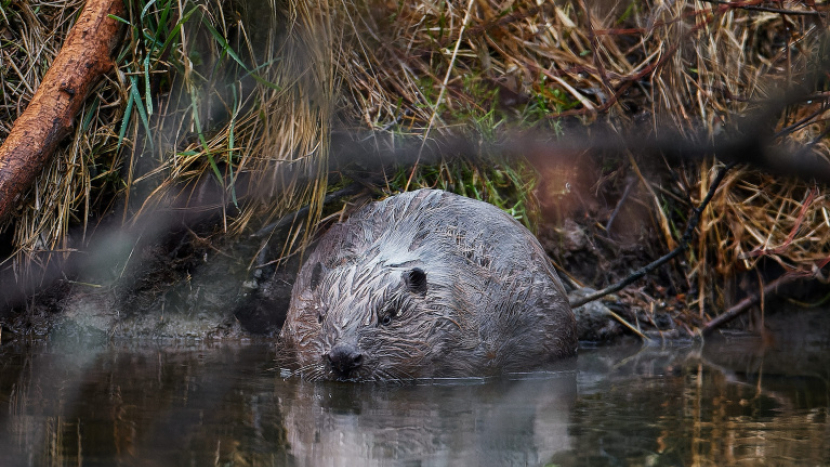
(174, 33)
(148, 96)
(197, 122)
(165, 14)
(141, 110)
(90, 114)
(125, 121)
(225, 46)
(147, 7)
(118, 18)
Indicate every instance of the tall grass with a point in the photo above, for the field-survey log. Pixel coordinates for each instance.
(200, 90)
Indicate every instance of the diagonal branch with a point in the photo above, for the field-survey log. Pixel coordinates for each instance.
(681, 247)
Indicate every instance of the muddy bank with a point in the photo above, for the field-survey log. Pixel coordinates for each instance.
(190, 282)
(185, 286)
(213, 288)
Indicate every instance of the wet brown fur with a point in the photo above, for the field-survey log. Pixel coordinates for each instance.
(491, 303)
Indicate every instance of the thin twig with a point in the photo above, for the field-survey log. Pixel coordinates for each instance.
(302, 213)
(793, 232)
(625, 323)
(741, 6)
(619, 205)
(744, 305)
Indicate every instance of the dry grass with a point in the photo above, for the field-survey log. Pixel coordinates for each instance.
(200, 91)
(421, 67)
(30, 34)
(279, 132)
(675, 65)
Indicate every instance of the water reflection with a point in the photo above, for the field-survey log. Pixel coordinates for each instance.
(732, 403)
(225, 404)
(492, 423)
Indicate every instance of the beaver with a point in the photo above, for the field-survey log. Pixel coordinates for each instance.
(427, 284)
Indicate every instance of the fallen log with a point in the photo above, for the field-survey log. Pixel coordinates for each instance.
(83, 59)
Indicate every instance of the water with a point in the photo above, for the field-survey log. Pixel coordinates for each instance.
(157, 404)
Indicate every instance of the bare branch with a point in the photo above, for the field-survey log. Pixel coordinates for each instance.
(681, 247)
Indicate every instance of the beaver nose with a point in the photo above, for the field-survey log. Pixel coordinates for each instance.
(344, 358)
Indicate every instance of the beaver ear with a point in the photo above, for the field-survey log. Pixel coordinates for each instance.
(416, 281)
(316, 276)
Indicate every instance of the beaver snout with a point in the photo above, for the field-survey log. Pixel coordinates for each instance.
(344, 358)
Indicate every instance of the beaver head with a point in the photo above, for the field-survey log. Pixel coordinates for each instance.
(368, 320)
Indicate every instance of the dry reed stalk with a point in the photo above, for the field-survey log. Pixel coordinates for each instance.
(283, 142)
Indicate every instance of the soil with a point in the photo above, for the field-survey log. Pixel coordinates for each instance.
(183, 287)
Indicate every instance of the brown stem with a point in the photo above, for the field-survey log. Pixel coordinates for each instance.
(741, 307)
(748, 6)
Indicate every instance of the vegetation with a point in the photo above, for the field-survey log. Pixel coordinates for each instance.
(252, 91)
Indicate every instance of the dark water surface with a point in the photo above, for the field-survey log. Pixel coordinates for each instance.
(159, 404)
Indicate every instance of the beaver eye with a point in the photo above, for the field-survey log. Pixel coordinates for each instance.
(386, 317)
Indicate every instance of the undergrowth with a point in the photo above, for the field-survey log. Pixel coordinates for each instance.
(250, 91)
(506, 186)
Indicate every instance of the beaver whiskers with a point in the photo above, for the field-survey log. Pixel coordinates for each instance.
(311, 372)
(320, 372)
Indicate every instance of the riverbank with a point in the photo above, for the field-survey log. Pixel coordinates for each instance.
(602, 127)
